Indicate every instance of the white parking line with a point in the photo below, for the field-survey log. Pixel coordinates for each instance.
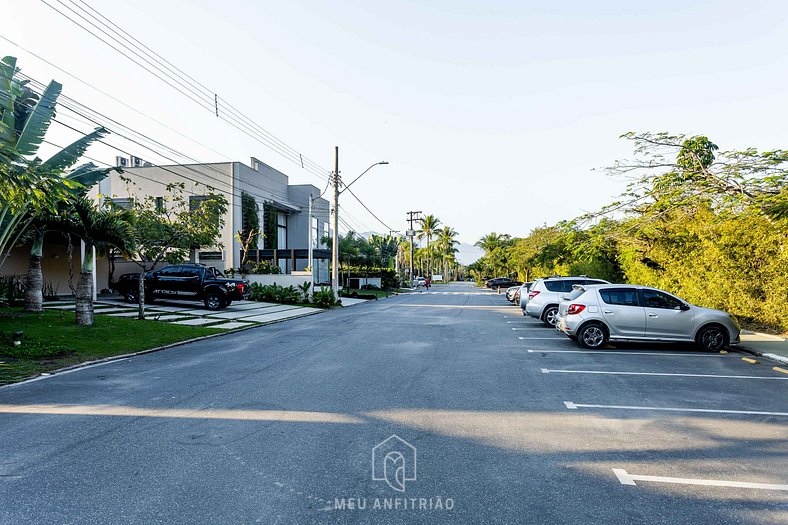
(552, 371)
(574, 406)
(629, 479)
(550, 338)
(686, 354)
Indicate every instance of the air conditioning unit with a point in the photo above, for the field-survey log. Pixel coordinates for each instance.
(121, 162)
(137, 162)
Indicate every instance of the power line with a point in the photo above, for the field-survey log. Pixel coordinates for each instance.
(96, 121)
(253, 130)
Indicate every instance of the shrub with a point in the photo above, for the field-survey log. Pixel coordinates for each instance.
(324, 298)
(273, 293)
(370, 287)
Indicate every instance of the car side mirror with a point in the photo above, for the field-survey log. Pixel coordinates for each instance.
(684, 307)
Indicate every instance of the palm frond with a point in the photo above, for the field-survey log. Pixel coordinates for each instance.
(38, 122)
(69, 155)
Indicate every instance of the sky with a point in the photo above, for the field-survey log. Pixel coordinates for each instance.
(494, 116)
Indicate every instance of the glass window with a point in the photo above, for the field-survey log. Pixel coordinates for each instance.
(593, 281)
(126, 203)
(281, 231)
(195, 201)
(553, 286)
(315, 233)
(169, 271)
(655, 299)
(326, 233)
(187, 271)
(620, 296)
(566, 286)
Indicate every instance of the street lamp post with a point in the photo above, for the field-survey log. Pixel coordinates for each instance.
(335, 203)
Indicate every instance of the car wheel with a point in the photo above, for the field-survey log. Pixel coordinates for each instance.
(712, 338)
(592, 336)
(131, 296)
(214, 301)
(550, 316)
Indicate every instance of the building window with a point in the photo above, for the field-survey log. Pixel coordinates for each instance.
(325, 234)
(159, 204)
(315, 233)
(196, 200)
(281, 231)
(126, 203)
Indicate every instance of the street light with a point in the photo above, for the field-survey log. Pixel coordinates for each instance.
(362, 174)
(335, 237)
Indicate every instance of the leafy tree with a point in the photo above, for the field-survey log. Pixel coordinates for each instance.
(169, 232)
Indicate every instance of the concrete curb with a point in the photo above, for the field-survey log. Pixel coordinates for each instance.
(773, 357)
(88, 364)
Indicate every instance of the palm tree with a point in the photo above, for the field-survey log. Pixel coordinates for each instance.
(31, 189)
(429, 228)
(100, 229)
(446, 244)
(490, 243)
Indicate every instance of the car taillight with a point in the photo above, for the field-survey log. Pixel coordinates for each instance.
(575, 309)
(533, 294)
(241, 287)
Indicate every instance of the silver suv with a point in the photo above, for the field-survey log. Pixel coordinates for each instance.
(592, 315)
(545, 295)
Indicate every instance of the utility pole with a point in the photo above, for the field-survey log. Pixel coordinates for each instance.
(310, 259)
(412, 216)
(335, 235)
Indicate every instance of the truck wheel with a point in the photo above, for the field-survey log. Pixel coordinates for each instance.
(214, 301)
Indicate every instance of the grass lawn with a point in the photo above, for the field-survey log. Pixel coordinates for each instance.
(52, 340)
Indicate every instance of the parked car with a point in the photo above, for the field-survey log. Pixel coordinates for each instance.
(501, 282)
(518, 292)
(524, 291)
(593, 315)
(195, 282)
(545, 295)
(510, 292)
(419, 281)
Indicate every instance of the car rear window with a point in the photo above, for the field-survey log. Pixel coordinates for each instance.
(620, 296)
(554, 286)
(575, 293)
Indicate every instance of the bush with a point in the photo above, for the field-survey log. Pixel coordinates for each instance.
(273, 293)
(12, 288)
(370, 287)
(324, 298)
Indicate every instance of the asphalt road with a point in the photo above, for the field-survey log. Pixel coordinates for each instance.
(278, 425)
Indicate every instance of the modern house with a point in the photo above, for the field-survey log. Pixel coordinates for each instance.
(288, 223)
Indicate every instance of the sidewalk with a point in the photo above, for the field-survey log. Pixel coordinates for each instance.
(770, 346)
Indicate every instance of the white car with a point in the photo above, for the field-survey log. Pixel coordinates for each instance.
(544, 296)
(595, 314)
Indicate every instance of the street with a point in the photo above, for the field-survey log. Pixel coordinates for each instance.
(510, 422)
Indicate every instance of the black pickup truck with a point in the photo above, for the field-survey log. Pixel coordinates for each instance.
(195, 282)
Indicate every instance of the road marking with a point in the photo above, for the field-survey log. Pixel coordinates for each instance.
(750, 360)
(574, 406)
(551, 371)
(550, 338)
(629, 479)
(534, 328)
(616, 353)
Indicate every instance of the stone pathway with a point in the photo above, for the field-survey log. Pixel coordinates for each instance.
(239, 314)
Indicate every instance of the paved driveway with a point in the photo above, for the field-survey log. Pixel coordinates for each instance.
(501, 421)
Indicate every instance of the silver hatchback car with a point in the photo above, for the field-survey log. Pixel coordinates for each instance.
(594, 314)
